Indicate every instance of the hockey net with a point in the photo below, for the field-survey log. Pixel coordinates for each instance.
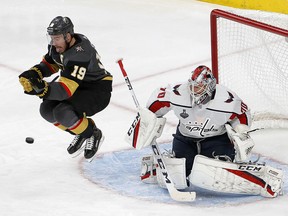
(250, 56)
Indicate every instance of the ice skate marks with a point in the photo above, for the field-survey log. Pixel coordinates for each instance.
(120, 172)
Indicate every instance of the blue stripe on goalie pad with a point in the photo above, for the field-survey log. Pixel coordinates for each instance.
(120, 172)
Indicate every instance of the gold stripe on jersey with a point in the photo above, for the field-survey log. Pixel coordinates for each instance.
(108, 78)
(52, 67)
(69, 85)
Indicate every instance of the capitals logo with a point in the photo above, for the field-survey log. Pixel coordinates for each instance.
(202, 128)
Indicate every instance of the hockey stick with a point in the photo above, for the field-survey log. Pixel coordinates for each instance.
(184, 196)
(256, 129)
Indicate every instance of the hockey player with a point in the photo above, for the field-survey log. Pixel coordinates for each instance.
(212, 134)
(83, 89)
(203, 108)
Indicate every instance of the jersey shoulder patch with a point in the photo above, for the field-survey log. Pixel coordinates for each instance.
(226, 100)
(180, 95)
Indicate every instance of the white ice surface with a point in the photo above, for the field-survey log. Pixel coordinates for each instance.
(161, 41)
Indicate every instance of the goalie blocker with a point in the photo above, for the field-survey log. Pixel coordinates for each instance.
(217, 176)
(144, 129)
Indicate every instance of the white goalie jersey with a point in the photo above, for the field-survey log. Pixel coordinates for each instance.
(204, 120)
(207, 120)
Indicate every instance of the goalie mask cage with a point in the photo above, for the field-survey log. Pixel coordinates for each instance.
(250, 56)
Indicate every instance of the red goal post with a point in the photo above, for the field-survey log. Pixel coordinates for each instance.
(249, 51)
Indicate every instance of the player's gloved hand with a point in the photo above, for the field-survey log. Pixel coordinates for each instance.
(24, 77)
(243, 143)
(34, 72)
(27, 86)
(40, 87)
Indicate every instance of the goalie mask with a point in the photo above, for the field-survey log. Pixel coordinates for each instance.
(201, 85)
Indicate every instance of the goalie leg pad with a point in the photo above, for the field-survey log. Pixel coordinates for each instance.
(148, 170)
(177, 170)
(274, 183)
(227, 177)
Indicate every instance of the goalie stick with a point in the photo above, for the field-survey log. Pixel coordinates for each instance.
(184, 196)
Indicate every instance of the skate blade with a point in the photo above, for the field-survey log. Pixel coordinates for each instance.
(78, 152)
(100, 143)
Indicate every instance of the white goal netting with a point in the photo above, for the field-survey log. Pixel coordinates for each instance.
(254, 63)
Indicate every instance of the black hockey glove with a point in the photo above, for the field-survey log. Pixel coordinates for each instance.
(24, 77)
(40, 87)
(27, 86)
(33, 72)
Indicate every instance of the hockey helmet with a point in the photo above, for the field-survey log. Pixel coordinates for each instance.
(201, 85)
(60, 25)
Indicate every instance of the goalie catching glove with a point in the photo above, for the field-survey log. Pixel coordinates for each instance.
(243, 143)
(144, 129)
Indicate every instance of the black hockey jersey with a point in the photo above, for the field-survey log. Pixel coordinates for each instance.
(80, 68)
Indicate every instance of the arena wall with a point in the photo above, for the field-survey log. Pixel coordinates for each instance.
(279, 6)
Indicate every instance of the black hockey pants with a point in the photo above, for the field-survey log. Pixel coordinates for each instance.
(186, 147)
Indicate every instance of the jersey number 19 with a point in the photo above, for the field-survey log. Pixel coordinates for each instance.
(78, 72)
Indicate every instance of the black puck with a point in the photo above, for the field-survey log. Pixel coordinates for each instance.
(29, 140)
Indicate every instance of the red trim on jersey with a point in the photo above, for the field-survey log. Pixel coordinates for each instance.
(48, 65)
(78, 123)
(243, 119)
(66, 89)
(248, 176)
(234, 115)
(157, 105)
(56, 124)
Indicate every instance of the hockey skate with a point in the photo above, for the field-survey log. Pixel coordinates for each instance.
(76, 147)
(92, 144)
